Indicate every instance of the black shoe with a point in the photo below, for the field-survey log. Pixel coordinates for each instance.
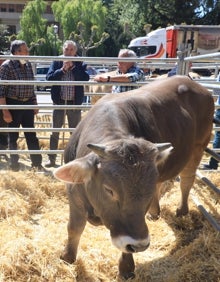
(38, 168)
(15, 166)
(50, 164)
(208, 167)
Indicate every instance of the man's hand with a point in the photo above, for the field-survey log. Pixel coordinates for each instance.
(36, 111)
(100, 78)
(67, 66)
(7, 116)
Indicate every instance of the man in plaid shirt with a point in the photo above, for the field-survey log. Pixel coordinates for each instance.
(127, 72)
(19, 95)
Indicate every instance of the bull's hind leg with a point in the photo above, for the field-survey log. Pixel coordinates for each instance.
(76, 225)
(187, 177)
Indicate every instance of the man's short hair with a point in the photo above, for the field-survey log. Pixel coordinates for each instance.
(15, 45)
(127, 53)
(67, 42)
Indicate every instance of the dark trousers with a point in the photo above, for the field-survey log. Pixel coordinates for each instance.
(3, 135)
(24, 118)
(213, 163)
(73, 118)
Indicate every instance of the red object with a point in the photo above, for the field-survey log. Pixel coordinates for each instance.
(171, 35)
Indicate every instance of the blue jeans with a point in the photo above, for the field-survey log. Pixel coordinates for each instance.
(213, 163)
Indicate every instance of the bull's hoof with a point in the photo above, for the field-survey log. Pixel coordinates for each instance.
(181, 212)
(152, 217)
(127, 276)
(67, 258)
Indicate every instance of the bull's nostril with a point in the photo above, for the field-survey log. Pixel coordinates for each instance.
(130, 248)
(136, 248)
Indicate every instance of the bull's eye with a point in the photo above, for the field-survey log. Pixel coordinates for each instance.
(109, 191)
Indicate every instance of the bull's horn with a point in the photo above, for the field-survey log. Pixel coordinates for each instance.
(164, 152)
(98, 149)
(164, 146)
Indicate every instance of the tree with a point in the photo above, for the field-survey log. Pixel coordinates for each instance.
(4, 38)
(34, 29)
(102, 27)
(129, 15)
(125, 21)
(83, 20)
(208, 12)
(33, 14)
(81, 38)
(161, 13)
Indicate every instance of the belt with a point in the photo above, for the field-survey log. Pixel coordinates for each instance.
(20, 99)
(66, 102)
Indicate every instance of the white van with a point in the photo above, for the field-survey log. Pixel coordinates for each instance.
(41, 72)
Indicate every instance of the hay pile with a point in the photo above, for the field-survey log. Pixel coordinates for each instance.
(33, 218)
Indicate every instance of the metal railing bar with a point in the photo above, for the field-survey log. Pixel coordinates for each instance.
(48, 107)
(51, 83)
(213, 154)
(36, 129)
(208, 217)
(208, 182)
(32, 152)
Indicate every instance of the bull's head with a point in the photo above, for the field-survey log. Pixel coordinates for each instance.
(119, 180)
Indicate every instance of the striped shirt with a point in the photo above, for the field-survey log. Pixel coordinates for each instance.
(12, 70)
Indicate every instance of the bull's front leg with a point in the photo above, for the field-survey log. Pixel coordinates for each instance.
(76, 225)
(126, 266)
(74, 234)
(154, 210)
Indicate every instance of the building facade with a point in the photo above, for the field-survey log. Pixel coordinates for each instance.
(10, 14)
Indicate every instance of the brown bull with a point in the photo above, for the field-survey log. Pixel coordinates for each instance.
(121, 152)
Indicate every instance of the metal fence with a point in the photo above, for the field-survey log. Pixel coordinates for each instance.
(46, 108)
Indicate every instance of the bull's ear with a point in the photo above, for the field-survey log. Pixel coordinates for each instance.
(164, 152)
(77, 171)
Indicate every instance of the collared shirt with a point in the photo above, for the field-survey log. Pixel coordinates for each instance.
(12, 70)
(68, 91)
(217, 91)
(134, 74)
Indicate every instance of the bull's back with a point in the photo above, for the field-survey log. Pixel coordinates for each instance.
(181, 112)
(175, 110)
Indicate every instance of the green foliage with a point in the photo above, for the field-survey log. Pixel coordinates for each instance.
(80, 38)
(33, 25)
(83, 21)
(4, 38)
(125, 21)
(209, 12)
(129, 15)
(34, 29)
(102, 27)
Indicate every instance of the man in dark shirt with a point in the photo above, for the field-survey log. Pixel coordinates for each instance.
(11, 94)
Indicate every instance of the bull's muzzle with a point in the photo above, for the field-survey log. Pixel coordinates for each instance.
(127, 244)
